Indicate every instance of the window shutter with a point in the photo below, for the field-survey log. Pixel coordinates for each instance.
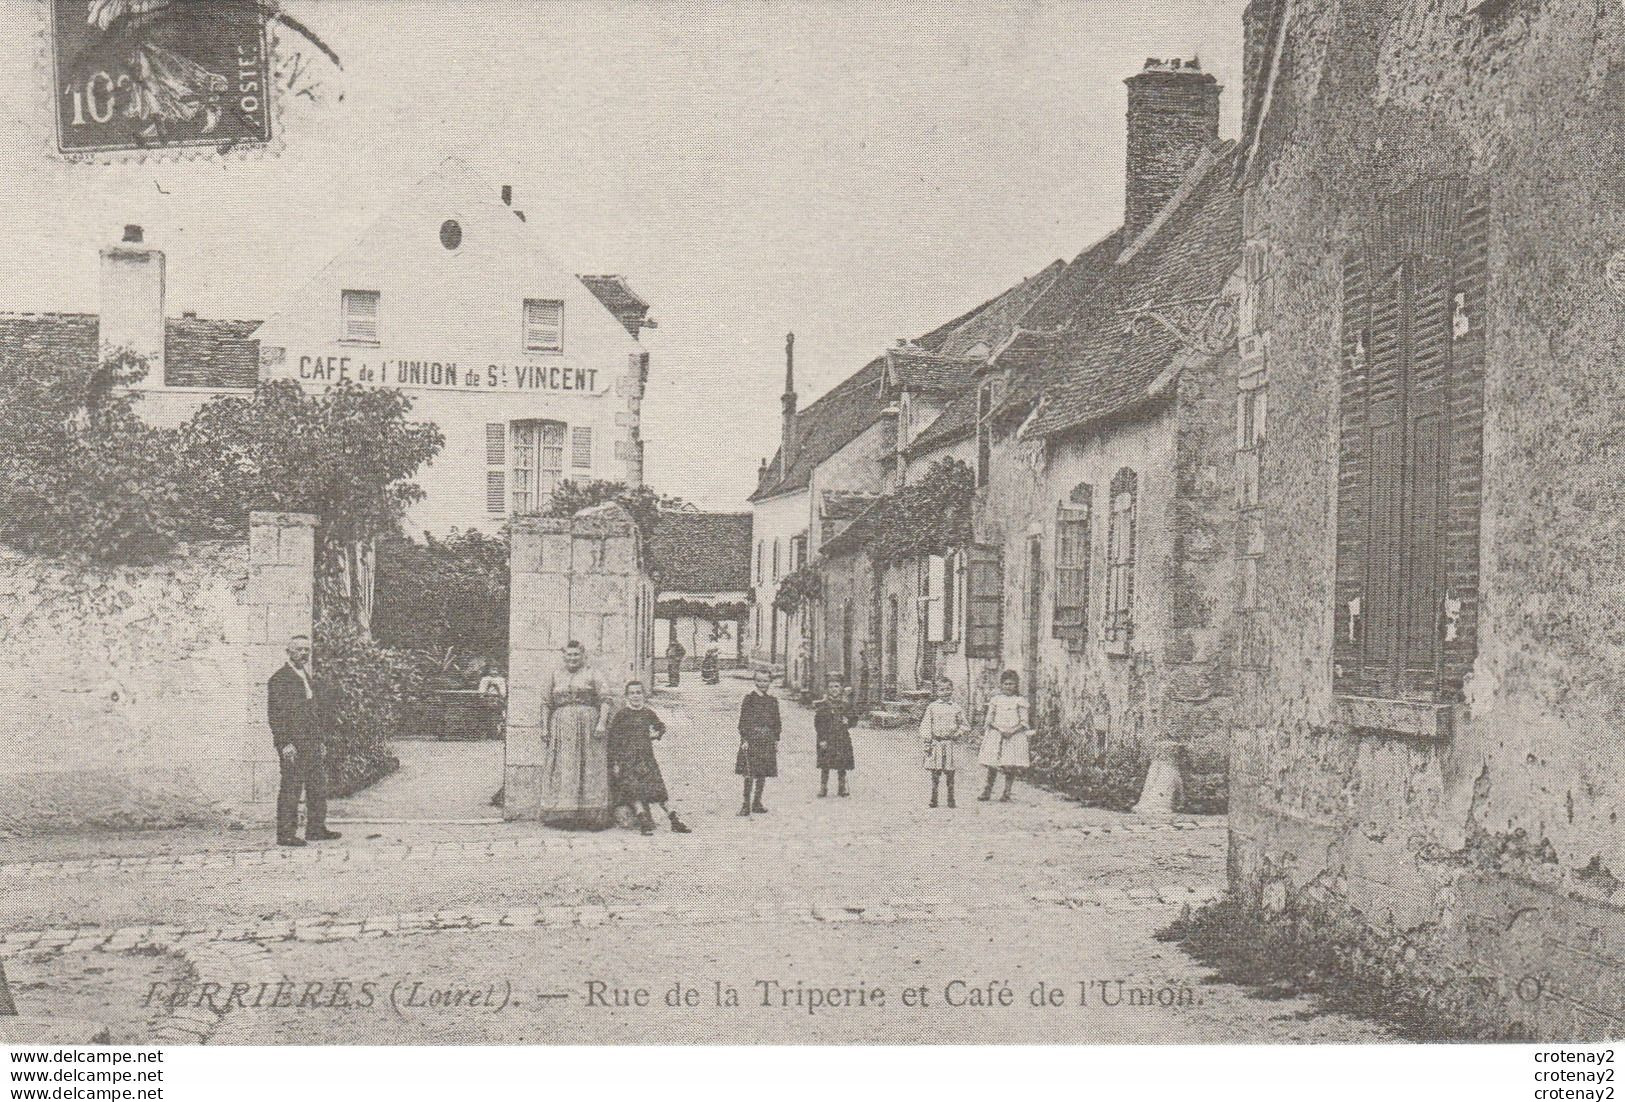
(984, 602)
(1072, 551)
(1385, 436)
(1427, 428)
(936, 571)
(496, 489)
(359, 311)
(581, 446)
(544, 325)
(1354, 478)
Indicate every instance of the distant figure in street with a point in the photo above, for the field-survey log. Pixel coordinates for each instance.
(675, 653)
(759, 730)
(832, 723)
(575, 784)
(1004, 737)
(939, 729)
(635, 780)
(292, 708)
(711, 667)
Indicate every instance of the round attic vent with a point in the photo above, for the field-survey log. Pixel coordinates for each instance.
(451, 233)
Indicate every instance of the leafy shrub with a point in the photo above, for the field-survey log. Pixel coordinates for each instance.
(80, 473)
(1067, 762)
(369, 697)
(449, 596)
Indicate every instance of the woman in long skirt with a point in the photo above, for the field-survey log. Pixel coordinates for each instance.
(576, 778)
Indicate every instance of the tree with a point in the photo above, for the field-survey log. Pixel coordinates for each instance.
(445, 595)
(80, 473)
(347, 455)
(645, 504)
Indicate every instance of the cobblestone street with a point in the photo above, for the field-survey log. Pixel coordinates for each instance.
(532, 934)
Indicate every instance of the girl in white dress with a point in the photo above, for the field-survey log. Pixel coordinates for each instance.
(939, 727)
(1004, 741)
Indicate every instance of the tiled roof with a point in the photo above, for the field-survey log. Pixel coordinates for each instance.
(835, 419)
(844, 504)
(1097, 368)
(853, 536)
(1071, 284)
(210, 353)
(701, 552)
(200, 352)
(913, 368)
(995, 319)
(619, 299)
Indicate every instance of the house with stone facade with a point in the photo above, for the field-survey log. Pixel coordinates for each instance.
(1100, 436)
(842, 448)
(532, 373)
(1427, 761)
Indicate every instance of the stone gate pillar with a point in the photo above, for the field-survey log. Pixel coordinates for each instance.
(277, 603)
(570, 578)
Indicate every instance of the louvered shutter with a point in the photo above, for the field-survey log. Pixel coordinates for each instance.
(1354, 479)
(496, 481)
(360, 315)
(984, 602)
(544, 325)
(1427, 407)
(1385, 445)
(1072, 552)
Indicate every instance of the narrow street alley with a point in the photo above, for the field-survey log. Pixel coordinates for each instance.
(867, 918)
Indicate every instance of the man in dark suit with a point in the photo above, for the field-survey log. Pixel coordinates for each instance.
(292, 708)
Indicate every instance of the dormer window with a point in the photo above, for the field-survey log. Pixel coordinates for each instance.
(544, 325)
(358, 316)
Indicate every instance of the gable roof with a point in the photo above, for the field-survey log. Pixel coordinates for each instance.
(910, 367)
(1100, 367)
(1070, 285)
(852, 405)
(844, 504)
(701, 552)
(198, 352)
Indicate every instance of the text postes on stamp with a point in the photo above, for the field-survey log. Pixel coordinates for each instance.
(159, 74)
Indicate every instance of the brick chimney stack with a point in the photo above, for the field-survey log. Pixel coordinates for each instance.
(787, 445)
(1173, 115)
(132, 303)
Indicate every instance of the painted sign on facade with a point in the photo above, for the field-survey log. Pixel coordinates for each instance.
(440, 375)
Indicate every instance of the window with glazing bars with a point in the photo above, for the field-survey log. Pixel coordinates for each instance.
(537, 462)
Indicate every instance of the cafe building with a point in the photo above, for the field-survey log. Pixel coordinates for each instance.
(532, 373)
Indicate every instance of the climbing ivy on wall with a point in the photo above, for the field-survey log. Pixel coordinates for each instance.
(928, 517)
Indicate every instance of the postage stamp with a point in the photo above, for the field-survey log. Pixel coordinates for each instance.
(159, 74)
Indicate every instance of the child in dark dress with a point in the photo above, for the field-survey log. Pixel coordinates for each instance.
(759, 730)
(832, 724)
(634, 774)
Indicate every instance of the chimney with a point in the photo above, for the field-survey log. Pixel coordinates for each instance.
(1173, 115)
(1259, 26)
(787, 445)
(132, 303)
(507, 195)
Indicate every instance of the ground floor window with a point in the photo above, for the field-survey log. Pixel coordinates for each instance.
(537, 450)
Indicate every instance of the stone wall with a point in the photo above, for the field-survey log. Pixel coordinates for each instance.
(577, 578)
(1481, 861)
(134, 696)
